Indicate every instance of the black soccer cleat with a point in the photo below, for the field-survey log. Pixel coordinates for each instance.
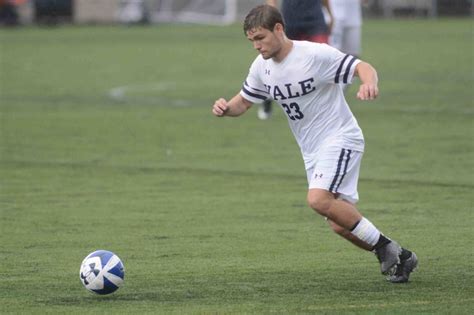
(404, 269)
(388, 256)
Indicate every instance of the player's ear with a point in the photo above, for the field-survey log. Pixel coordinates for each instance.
(278, 28)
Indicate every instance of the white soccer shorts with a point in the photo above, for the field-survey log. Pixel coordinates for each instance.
(336, 169)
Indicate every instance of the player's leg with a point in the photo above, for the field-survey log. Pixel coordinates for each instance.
(344, 216)
(333, 191)
(351, 43)
(265, 110)
(349, 236)
(335, 173)
(336, 37)
(348, 217)
(341, 213)
(408, 259)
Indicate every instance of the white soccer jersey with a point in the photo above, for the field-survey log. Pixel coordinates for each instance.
(306, 85)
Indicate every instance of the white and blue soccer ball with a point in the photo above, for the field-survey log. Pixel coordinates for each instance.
(102, 272)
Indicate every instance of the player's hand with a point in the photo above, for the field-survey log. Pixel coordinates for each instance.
(368, 92)
(220, 107)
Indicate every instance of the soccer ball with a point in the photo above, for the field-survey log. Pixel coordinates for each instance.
(102, 272)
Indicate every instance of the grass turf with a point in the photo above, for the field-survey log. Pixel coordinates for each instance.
(107, 142)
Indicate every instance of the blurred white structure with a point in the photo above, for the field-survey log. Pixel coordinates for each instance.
(197, 11)
(220, 12)
(132, 11)
(101, 11)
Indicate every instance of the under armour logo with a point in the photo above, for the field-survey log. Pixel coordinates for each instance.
(267, 72)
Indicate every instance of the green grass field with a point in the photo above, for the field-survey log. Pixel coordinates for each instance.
(107, 142)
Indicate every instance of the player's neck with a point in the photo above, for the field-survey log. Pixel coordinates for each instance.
(284, 51)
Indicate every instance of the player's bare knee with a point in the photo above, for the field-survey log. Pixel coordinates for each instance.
(319, 203)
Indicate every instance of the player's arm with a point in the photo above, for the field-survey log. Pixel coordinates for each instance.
(235, 107)
(368, 90)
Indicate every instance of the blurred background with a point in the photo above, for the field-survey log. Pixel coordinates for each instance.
(24, 12)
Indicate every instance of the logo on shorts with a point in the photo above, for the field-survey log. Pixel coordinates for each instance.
(316, 175)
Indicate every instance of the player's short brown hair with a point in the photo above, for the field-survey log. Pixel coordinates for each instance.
(265, 16)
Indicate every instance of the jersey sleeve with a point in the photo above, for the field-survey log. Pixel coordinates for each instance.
(335, 66)
(253, 88)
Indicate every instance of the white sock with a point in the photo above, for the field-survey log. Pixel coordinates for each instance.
(367, 232)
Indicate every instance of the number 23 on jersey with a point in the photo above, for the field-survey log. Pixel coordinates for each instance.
(293, 111)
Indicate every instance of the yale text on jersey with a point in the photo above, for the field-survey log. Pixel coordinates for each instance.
(290, 90)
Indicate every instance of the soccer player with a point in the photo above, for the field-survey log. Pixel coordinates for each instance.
(304, 78)
(304, 20)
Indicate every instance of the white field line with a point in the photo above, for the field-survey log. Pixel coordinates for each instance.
(121, 93)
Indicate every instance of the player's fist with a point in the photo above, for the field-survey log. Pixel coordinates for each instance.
(368, 92)
(220, 107)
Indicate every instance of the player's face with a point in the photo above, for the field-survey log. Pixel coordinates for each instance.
(265, 41)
